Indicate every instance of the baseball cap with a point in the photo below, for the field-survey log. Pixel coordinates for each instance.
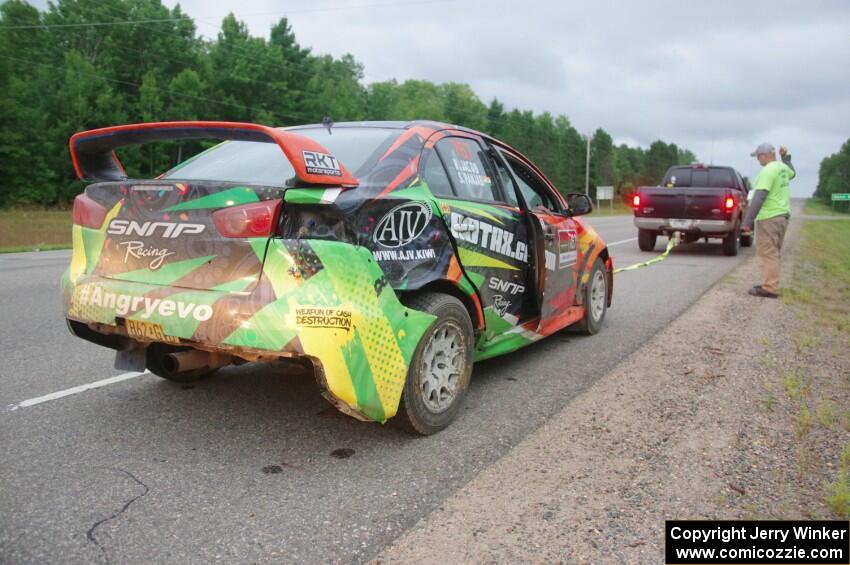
(763, 149)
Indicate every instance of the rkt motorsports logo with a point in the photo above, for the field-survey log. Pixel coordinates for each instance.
(168, 230)
(321, 163)
(402, 224)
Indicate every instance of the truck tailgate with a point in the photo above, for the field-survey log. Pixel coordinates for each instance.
(685, 202)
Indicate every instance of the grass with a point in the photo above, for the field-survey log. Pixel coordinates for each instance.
(838, 491)
(821, 277)
(818, 207)
(26, 230)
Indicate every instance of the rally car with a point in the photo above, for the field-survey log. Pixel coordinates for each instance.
(387, 257)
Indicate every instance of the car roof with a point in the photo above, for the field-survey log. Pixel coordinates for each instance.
(389, 124)
(437, 126)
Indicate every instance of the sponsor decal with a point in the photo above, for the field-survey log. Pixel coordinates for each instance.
(509, 287)
(488, 236)
(500, 305)
(138, 250)
(323, 318)
(168, 230)
(321, 163)
(93, 295)
(405, 254)
(567, 248)
(402, 224)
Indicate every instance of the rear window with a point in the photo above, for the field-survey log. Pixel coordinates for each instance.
(687, 176)
(265, 164)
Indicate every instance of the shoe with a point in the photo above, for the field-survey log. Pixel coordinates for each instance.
(758, 290)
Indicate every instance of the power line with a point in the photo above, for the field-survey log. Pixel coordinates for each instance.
(188, 18)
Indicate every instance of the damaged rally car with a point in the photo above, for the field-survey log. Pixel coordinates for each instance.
(387, 257)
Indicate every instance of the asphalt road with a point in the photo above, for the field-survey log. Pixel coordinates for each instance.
(247, 467)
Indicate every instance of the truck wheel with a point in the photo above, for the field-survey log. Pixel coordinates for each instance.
(595, 300)
(441, 367)
(646, 240)
(731, 242)
(747, 240)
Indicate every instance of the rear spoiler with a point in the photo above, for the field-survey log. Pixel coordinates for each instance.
(94, 158)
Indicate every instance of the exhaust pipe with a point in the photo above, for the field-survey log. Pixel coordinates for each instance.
(182, 361)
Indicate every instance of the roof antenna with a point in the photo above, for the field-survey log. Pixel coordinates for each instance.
(328, 122)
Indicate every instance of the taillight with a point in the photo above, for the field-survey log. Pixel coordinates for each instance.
(730, 203)
(250, 220)
(636, 200)
(88, 213)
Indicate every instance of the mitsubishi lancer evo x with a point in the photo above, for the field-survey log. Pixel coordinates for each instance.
(387, 257)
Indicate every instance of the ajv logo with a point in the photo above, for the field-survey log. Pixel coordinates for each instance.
(147, 229)
(321, 163)
(402, 224)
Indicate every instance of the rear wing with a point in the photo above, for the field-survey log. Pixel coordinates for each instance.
(94, 158)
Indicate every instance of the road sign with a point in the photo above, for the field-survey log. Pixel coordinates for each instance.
(605, 193)
(841, 196)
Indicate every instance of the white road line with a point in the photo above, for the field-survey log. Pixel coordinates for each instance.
(75, 390)
(622, 241)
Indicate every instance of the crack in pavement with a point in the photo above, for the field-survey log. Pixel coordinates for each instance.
(90, 533)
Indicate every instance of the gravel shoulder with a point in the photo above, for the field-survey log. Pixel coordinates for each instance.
(707, 421)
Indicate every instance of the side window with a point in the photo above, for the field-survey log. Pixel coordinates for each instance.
(505, 180)
(434, 174)
(465, 161)
(534, 190)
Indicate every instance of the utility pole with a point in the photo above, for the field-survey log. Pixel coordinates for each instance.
(587, 169)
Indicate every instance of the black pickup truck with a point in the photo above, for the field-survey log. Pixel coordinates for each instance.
(698, 201)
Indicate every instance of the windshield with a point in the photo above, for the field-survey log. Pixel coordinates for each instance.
(265, 164)
(703, 178)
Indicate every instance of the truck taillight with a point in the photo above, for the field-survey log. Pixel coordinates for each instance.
(730, 203)
(88, 213)
(249, 220)
(636, 200)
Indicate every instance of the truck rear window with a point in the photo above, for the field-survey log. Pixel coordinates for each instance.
(712, 178)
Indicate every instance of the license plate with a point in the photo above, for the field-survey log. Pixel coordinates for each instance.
(147, 331)
(681, 224)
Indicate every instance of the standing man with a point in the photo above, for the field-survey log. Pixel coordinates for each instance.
(771, 210)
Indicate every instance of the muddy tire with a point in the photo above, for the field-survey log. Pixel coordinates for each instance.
(441, 367)
(595, 300)
(731, 242)
(157, 365)
(646, 240)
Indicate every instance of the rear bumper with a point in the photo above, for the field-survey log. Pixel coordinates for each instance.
(707, 227)
(322, 300)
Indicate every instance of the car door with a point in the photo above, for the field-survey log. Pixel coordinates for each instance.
(555, 239)
(490, 233)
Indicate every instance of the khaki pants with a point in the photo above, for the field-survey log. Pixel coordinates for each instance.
(769, 236)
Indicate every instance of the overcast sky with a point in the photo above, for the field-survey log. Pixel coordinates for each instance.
(715, 77)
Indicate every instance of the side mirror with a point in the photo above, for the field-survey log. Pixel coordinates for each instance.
(579, 204)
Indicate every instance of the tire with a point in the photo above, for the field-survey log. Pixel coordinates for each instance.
(155, 355)
(731, 242)
(595, 293)
(747, 240)
(426, 409)
(646, 240)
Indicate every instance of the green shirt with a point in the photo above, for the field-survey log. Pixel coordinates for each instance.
(774, 178)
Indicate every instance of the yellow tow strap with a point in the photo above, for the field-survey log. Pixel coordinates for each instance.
(674, 241)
